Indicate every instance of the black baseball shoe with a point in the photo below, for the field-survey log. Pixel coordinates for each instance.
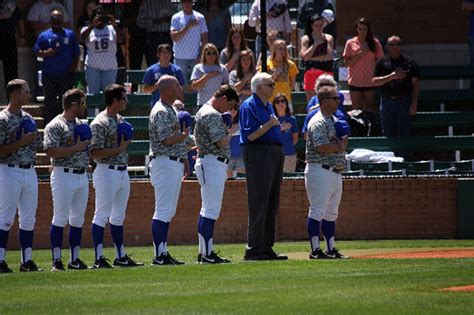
(165, 259)
(213, 258)
(274, 256)
(101, 263)
(58, 265)
(4, 267)
(29, 266)
(335, 254)
(318, 254)
(77, 265)
(126, 261)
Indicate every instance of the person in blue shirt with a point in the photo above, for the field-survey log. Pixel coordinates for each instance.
(163, 66)
(289, 131)
(262, 152)
(313, 105)
(60, 52)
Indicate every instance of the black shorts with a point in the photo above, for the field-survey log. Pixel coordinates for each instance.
(361, 89)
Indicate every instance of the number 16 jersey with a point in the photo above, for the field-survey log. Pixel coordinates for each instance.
(101, 48)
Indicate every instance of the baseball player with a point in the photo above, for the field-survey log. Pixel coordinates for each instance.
(67, 148)
(168, 153)
(212, 138)
(110, 177)
(19, 141)
(325, 155)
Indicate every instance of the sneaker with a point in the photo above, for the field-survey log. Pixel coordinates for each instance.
(58, 265)
(213, 258)
(126, 261)
(165, 259)
(4, 267)
(29, 266)
(77, 265)
(318, 254)
(100, 263)
(336, 255)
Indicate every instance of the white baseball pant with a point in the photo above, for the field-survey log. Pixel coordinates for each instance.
(324, 190)
(70, 195)
(211, 175)
(166, 176)
(112, 189)
(18, 189)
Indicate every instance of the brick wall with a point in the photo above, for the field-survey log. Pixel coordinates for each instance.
(370, 209)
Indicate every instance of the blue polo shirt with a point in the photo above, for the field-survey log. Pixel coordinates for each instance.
(66, 47)
(340, 112)
(287, 135)
(253, 113)
(154, 73)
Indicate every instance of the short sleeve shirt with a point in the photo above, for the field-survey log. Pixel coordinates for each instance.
(164, 123)
(105, 136)
(361, 72)
(9, 126)
(188, 46)
(60, 133)
(101, 48)
(213, 84)
(397, 88)
(287, 135)
(282, 82)
(322, 131)
(209, 129)
(154, 73)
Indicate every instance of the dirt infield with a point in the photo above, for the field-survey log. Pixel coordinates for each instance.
(466, 288)
(400, 253)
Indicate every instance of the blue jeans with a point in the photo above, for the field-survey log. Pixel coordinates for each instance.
(395, 117)
(98, 79)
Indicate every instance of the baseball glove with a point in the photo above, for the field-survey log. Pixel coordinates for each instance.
(27, 125)
(124, 129)
(227, 118)
(342, 128)
(82, 132)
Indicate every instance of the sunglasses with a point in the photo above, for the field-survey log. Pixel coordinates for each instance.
(211, 53)
(279, 102)
(394, 44)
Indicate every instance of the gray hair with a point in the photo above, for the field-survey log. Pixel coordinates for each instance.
(324, 80)
(257, 80)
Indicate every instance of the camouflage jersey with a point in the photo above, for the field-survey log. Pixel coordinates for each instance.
(60, 133)
(9, 125)
(209, 129)
(164, 123)
(321, 131)
(104, 136)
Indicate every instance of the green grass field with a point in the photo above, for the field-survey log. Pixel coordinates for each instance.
(374, 286)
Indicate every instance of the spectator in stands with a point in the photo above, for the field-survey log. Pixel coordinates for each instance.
(282, 70)
(218, 22)
(236, 163)
(10, 18)
(309, 8)
(235, 44)
(101, 38)
(278, 18)
(360, 55)
(397, 76)
(60, 51)
(189, 34)
(86, 18)
(209, 75)
(317, 53)
(468, 5)
(240, 78)
(313, 105)
(289, 131)
(164, 66)
(39, 15)
(154, 18)
(272, 36)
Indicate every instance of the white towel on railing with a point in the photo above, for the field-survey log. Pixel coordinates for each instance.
(364, 155)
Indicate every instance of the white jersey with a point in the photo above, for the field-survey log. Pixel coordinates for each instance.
(101, 48)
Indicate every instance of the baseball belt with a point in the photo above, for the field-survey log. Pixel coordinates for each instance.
(331, 168)
(24, 166)
(219, 158)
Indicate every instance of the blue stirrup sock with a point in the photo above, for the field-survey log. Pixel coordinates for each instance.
(98, 239)
(117, 237)
(205, 234)
(313, 233)
(75, 236)
(56, 238)
(26, 243)
(3, 243)
(329, 230)
(159, 230)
